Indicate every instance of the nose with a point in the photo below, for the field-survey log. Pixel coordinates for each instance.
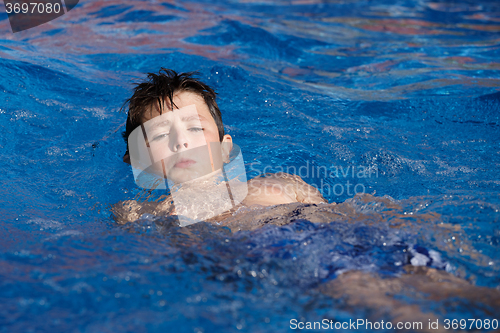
(178, 139)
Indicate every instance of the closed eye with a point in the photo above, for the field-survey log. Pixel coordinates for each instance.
(196, 129)
(160, 136)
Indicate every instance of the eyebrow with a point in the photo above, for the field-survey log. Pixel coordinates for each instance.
(184, 119)
(197, 116)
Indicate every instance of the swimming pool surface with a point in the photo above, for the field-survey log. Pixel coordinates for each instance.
(399, 99)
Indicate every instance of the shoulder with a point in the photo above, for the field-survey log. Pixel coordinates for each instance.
(280, 188)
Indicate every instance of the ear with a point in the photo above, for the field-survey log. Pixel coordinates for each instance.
(226, 147)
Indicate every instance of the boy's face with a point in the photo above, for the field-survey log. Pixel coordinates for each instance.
(184, 142)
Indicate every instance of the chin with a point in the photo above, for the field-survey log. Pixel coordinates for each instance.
(182, 176)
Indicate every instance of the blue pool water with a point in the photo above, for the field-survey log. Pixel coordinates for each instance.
(400, 99)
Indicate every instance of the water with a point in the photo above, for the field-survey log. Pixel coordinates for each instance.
(398, 99)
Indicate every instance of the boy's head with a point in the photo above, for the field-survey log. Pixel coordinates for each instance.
(174, 129)
(162, 92)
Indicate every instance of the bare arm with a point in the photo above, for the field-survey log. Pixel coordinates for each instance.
(131, 210)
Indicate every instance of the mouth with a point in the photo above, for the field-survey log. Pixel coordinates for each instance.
(184, 163)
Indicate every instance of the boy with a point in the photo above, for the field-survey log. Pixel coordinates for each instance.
(175, 134)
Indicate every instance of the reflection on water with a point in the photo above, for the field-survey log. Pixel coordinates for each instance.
(358, 51)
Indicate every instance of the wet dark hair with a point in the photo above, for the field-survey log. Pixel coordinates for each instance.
(163, 86)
